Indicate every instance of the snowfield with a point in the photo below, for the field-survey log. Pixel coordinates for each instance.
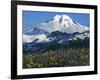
(31, 38)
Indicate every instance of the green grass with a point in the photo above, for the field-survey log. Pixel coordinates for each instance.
(57, 58)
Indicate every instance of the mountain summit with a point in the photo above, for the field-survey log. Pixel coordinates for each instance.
(62, 23)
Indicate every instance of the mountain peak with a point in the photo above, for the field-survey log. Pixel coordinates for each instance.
(61, 18)
(65, 23)
(62, 23)
(35, 31)
(66, 17)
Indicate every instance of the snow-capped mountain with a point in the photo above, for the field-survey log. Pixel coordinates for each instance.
(55, 26)
(54, 36)
(39, 43)
(62, 23)
(59, 30)
(35, 31)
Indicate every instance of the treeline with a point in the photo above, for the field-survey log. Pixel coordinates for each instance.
(78, 43)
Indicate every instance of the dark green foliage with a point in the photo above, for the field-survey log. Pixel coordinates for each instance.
(57, 58)
(54, 46)
(79, 43)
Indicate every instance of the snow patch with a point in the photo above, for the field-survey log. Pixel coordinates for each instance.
(31, 38)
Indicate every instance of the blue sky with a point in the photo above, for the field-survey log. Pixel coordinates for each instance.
(32, 17)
